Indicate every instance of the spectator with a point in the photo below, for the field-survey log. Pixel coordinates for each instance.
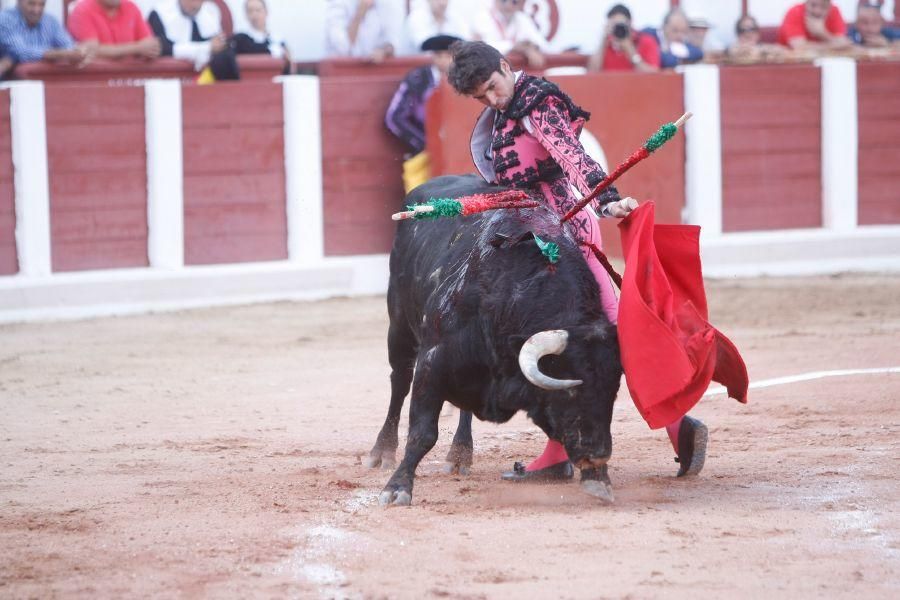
(363, 28)
(675, 49)
(814, 23)
(28, 35)
(747, 47)
(259, 40)
(622, 48)
(505, 27)
(117, 26)
(6, 64)
(698, 28)
(188, 29)
(705, 36)
(405, 116)
(430, 18)
(870, 30)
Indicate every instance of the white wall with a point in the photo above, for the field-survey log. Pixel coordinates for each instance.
(301, 22)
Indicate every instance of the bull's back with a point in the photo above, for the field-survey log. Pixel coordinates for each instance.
(428, 251)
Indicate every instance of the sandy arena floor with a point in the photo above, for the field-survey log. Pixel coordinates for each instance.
(216, 453)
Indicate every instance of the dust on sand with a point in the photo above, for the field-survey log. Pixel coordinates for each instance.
(217, 453)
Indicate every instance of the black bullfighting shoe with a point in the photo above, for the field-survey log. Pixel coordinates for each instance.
(692, 438)
(559, 472)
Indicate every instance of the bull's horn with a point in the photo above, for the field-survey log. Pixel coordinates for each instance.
(538, 345)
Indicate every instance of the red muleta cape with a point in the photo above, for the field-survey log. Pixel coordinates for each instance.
(670, 352)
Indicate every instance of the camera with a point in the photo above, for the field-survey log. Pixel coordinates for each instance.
(621, 31)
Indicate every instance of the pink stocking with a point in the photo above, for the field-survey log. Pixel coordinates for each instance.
(672, 429)
(554, 453)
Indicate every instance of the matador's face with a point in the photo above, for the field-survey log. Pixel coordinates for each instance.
(498, 90)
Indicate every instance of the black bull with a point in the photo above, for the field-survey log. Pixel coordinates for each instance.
(465, 294)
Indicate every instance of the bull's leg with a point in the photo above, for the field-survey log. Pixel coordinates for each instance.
(459, 459)
(401, 355)
(424, 411)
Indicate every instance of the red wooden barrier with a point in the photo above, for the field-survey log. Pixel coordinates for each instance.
(9, 263)
(621, 122)
(126, 71)
(879, 155)
(361, 165)
(771, 147)
(98, 177)
(234, 196)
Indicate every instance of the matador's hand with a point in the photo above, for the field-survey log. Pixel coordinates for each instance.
(619, 209)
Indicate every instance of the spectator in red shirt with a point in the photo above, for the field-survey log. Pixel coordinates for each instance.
(815, 23)
(117, 25)
(622, 48)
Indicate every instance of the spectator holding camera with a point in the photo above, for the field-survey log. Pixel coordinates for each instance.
(622, 48)
(675, 49)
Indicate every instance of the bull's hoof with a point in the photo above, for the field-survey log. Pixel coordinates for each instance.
(459, 460)
(595, 481)
(452, 468)
(387, 460)
(395, 498)
(601, 490)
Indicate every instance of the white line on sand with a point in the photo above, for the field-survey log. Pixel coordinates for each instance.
(807, 377)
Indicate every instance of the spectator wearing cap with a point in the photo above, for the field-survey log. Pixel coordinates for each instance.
(813, 24)
(622, 48)
(675, 48)
(507, 28)
(29, 35)
(117, 26)
(704, 35)
(363, 28)
(870, 29)
(405, 116)
(429, 18)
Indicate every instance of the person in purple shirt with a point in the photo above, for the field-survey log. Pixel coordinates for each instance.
(405, 116)
(29, 35)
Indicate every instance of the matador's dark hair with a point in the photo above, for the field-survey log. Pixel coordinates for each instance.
(473, 64)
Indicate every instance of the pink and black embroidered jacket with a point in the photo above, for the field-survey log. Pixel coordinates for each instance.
(534, 144)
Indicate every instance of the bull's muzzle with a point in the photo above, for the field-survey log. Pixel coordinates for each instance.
(541, 344)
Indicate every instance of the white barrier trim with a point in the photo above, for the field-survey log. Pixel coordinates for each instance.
(165, 174)
(840, 144)
(303, 168)
(28, 126)
(806, 377)
(105, 292)
(703, 149)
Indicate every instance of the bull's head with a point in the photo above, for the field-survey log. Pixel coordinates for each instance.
(584, 366)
